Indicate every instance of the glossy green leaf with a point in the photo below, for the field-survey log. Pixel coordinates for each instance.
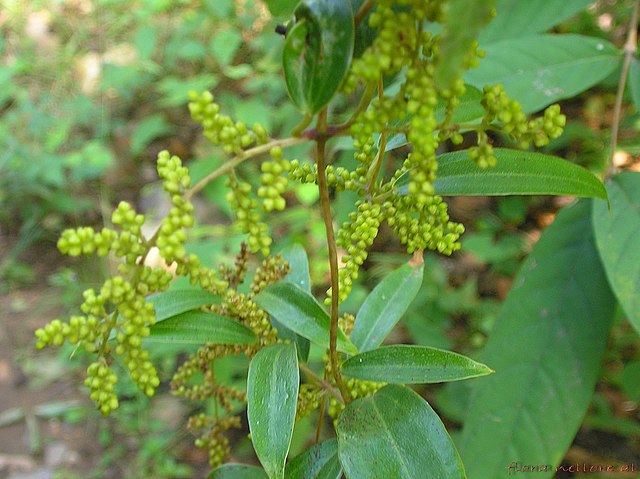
(318, 462)
(395, 434)
(540, 70)
(178, 301)
(385, 305)
(516, 173)
(404, 364)
(546, 348)
(458, 36)
(281, 8)
(200, 327)
(317, 52)
(516, 18)
(617, 233)
(237, 471)
(298, 275)
(300, 312)
(634, 81)
(272, 394)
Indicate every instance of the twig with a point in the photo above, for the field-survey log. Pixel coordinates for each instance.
(362, 12)
(241, 157)
(630, 48)
(322, 382)
(325, 203)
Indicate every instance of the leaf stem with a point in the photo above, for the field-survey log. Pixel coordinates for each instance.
(325, 203)
(240, 158)
(362, 12)
(630, 48)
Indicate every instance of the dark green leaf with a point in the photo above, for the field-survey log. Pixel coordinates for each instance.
(272, 394)
(516, 173)
(317, 52)
(146, 131)
(546, 347)
(237, 471)
(617, 233)
(178, 301)
(540, 70)
(318, 462)
(405, 364)
(281, 8)
(300, 312)
(385, 305)
(458, 36)
(516, 18)
(298, 275)
(199, 327)
(396, 434)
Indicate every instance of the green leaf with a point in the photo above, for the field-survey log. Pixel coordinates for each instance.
(298, 275)
(199, 327)
(272, 394)
(546, 347)
(237, 471)
(300, 312)
(634, 81)
(396, 434)
(404, 364)
(617, 232)
(516, 18)
(317, 52)
(224, 45)
(318, 462)
(385, 305)
(458, 36)
(516, 173)
(148, 130)
(178, 301)
(540, 70)
(281, 8)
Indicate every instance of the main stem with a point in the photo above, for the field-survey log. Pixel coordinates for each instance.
(325, 204)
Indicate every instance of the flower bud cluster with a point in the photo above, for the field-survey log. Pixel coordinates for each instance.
(221, 130)
(273, 181)
(355, 237)
(514, 122)
(248, 216)
(172, 234)
(101, 381)
(308, 400)
(213, 438)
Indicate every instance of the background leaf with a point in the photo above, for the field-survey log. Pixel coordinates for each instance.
(199, 327)
(237, 471)
(318, 462)
(516, 18)
(385, 305)
(272, 394)
(178, 301)
(516, 173)
(395, 434)
(540, 70)
(298, 275)
(404, 364)
(281, 8)
(457, 36)
(546, 347)
(617, 233)
(634, 81)
(300, 312)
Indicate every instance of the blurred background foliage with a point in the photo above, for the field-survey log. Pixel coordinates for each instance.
(93, 90)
